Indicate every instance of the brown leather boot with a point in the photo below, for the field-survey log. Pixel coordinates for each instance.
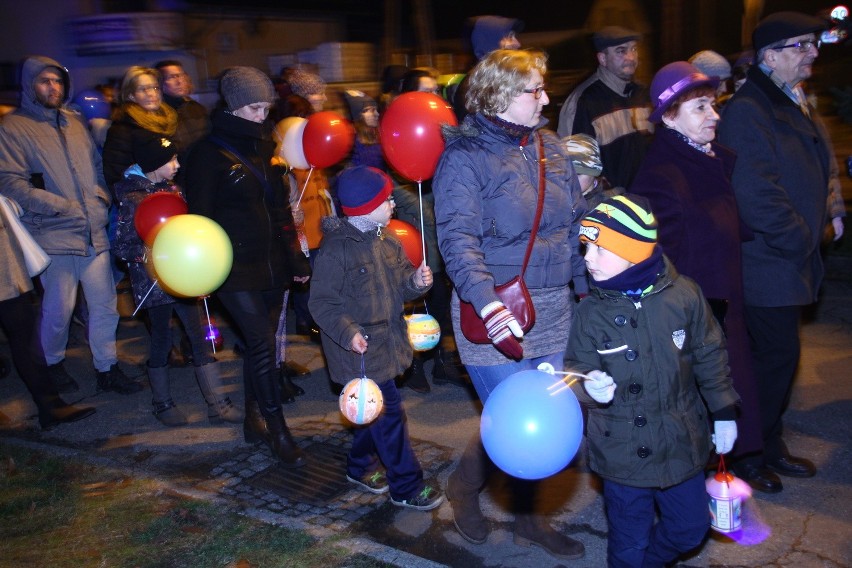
(532, 529)
(463, 487)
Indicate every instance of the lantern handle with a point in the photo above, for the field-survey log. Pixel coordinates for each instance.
(722, 468)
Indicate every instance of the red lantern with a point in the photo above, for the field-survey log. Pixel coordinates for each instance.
(328, 138)
(410, 239)
(154, 210)
(410, 133)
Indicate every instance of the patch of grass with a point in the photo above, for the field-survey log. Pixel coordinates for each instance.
(56, 512)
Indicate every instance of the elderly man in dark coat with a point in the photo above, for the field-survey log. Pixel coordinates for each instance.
(780, 181)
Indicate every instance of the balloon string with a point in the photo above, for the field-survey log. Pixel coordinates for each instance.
(302, 193)
(422, 232)
(363, 368)
(426, 307)
(209, 324)
(139, 307)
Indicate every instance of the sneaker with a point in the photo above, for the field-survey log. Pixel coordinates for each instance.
(375, 482)
(426, 500)
(116, 380)
(64, 382)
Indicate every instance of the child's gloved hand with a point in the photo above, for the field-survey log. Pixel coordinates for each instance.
(503, 328)
(600, 386)
(724, 435)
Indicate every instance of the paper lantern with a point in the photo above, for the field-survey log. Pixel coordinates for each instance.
(361, 400)
(424, 333)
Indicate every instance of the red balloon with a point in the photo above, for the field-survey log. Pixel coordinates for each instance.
(154, 210)
(410, 239)
(328, 138)
(410, 133)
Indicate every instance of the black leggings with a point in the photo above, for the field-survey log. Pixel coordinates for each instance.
(253, 312)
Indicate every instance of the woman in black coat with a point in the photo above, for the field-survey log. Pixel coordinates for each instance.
(686, 176)
(230, 179)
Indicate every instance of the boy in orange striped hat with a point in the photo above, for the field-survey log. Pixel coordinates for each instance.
(656, 369)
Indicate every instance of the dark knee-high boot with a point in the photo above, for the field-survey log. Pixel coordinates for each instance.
(463, 488)
(281, 442)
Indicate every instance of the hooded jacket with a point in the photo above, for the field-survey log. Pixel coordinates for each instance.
(51, 167)
(360, 283)
(666, 353)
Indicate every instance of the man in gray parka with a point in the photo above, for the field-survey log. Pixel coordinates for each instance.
(49, 165)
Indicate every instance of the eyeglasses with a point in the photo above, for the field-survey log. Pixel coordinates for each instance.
(146, 88)
(536, 92)
(802, 46)
(391, 200)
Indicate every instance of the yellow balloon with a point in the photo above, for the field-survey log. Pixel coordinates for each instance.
(192, 255)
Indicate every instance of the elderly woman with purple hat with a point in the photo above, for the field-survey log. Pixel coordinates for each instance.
(686, 176)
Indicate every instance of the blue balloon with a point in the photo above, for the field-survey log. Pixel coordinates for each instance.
(93, 104)
(531, 425)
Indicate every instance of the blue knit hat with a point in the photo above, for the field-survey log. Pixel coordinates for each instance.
(362, 189)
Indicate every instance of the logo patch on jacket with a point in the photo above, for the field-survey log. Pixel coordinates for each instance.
(679, 337)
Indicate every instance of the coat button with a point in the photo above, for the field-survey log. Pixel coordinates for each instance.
(630, 355)
(640, 421)
(635, 388)
(620, 320)
(643, 452)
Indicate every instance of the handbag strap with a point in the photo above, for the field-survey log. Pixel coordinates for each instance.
(539, 205)
(228, 148)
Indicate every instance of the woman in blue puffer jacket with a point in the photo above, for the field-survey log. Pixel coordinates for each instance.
(486, 190)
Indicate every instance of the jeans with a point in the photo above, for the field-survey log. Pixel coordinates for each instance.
(634, 540)
(60, 282)
(486, 378)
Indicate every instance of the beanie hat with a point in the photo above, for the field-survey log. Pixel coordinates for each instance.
(357, 102)
(489, 30)
(711, 64)
(784, 25)
(241, 86)
(611, 36)
(304, 83)
(673, 80)
(362, 189)
(151, 150)
(585, 154)
(623, 225)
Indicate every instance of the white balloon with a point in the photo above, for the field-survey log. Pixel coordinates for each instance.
(291, 147)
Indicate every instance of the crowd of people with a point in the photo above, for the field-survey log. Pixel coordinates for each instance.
(667, 236)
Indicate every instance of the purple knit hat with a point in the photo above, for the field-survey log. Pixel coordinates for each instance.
(672, 80)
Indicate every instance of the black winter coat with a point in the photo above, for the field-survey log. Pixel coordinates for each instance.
(253, 212)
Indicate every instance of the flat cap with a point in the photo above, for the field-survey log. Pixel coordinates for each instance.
(784, 25)
(611, 36)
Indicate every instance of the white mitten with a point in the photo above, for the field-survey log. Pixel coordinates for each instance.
(600, 386)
